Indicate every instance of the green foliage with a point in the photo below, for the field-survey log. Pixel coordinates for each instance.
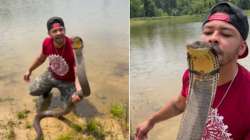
(118, 111)
(67, 136)
(28, 126)
(95, 128)
(77, 128)
(71, 135)
(247, 12)
(149, 8)
(8, 99)
(23, 114)
(136, 8)
(10, 133)
(145, 8)
(244, 4)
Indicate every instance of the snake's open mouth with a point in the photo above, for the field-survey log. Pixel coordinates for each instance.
(202, 56)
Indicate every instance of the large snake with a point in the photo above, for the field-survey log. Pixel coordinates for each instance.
(83, 81)
(204, 72)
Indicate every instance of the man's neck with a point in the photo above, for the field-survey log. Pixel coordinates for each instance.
(227, 73)
(59, 45)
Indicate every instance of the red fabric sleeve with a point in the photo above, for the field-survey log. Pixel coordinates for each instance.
(45, 50)
(185, 84)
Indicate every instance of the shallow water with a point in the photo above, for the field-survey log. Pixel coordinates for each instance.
(103, 25)
(157, 61)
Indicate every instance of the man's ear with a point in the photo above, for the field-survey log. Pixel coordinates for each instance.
(243, 48)
(49, 33)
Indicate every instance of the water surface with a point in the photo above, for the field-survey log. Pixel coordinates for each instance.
(103, 25)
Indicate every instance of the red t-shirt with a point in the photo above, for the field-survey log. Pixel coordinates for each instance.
(61, 60)
(235, 109)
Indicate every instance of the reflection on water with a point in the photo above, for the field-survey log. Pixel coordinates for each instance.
(102, 24)
(157, 62)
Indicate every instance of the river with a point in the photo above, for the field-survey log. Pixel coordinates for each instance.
(104, 27)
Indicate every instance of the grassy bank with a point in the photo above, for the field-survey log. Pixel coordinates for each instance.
(110, 126)
(174, 19)
(247, 12)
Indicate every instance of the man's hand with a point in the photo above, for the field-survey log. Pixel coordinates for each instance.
(75, 98)
(26, 76)
(142, 130)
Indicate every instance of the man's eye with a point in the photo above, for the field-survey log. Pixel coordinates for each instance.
(207, 32)
(226, 34)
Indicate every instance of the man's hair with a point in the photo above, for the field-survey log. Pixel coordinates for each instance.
(53, 20)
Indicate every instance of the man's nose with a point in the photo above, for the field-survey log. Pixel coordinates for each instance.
(58, 32)
(214, 38)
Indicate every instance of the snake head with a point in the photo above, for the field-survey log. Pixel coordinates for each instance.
(203, 58)
(77, 42)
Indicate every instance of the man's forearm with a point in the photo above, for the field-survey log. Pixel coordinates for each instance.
(36, 63)
(170, 110)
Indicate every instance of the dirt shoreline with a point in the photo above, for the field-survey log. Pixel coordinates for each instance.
(18, 125)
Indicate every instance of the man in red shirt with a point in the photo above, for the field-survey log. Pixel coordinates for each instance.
(61, 70)
(229, 118)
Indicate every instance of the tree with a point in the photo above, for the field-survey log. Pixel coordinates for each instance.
(149, 8)
(244, 4)
(136, 8)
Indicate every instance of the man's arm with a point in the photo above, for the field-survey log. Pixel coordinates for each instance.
(172, 108)
(39, 60)
(75, 97)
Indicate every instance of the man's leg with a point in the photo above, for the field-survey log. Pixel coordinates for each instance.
(66, 89)
(41, 87)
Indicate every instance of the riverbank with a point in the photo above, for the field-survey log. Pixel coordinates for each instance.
(75, 126)
(175, 19)
(247, 12)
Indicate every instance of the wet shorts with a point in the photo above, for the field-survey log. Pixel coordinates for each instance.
(45, 82)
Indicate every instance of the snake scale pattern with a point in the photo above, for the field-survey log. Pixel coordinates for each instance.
(204, 73)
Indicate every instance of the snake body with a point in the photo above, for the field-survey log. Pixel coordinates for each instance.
(84, 92)
(204, 72)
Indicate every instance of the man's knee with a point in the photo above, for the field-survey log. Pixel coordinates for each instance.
(35, 93)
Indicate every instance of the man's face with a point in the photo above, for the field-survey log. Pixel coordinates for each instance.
(228, 39)
(57, 34)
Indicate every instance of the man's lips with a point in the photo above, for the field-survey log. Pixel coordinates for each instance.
(218, 51)
(59, 37)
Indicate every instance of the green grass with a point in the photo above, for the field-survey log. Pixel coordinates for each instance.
(67, 136)
(77, 128)
(28, 126)
(71, 135)
(94, 128)
(10, 133)
(8, 99)
(118, 111)
(247, 12)
(23, 114)
(173, 19)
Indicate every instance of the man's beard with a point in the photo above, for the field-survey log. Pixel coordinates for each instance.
(226, 59)
(59, 40)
